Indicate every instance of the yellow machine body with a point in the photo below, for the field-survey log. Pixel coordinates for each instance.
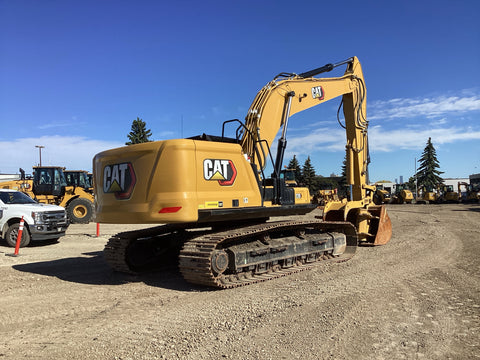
(176, 181)
(190, 180)
(219, 185)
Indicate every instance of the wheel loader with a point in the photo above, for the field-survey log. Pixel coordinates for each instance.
(227, 223)
(79, 178)
(48, 185)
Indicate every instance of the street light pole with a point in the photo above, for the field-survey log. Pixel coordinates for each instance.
(416, 184)
(40, 147)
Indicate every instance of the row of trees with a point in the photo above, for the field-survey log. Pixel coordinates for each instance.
(305, 175)
(427, 176)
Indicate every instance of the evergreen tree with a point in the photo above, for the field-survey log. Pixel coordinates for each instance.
(308, 175)
(293, 164)
(411, 183)
(427, 174)
(139, 133)
(343, 179)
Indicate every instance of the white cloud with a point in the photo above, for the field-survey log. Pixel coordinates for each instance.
(380, 139)
(428, 107)
(72, 152)
(324, 139)
(414, 139)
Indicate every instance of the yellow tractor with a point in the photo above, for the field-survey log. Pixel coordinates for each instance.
(449, 195)
(216, 203)
(321, 197)
(49, 186)
(428, 197)
(289, 176)
(79, 178)
(402, 195)
(472, 193)
(382, 194)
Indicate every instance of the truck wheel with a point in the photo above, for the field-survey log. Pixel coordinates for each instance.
(12, 234)
(80, 211)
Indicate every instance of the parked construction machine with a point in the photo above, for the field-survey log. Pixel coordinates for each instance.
(472, 193)
(382, 194)
(289, 176)
(323, 196)
(428, 196)
(79, 178)
(402, 195)
(49, 186)
(217, 205)
(449, 195)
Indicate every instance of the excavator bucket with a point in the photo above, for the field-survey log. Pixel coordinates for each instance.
(380, 225)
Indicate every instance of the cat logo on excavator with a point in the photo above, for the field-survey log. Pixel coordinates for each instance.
(119, 179)
(318, 93)
(222, 171)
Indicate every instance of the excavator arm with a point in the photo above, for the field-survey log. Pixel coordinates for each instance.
(289, 94)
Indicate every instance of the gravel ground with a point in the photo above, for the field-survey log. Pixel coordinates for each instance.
(418, 297)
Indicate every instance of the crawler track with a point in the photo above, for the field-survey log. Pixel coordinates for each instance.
(133, 252)
(234, 257)
(196, 264)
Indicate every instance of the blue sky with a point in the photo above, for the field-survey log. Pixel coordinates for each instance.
(74, 75)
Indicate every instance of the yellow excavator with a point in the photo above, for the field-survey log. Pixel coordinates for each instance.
(216, 204)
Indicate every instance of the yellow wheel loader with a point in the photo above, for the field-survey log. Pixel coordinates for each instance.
(49, 186)
(79, 178)
(216, 203)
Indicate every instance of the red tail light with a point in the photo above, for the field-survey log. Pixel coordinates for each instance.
(172, 209)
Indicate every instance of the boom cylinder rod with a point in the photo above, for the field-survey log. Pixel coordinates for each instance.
(282, 142)
(325, 68)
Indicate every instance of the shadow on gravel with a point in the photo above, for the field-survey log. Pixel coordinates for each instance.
(93, 270)
(469, 208)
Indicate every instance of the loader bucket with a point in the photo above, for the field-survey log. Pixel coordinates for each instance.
(380, 225)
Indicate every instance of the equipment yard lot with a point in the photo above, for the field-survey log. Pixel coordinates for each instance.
(418, 297)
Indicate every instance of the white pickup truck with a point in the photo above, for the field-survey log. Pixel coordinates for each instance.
(41, 221)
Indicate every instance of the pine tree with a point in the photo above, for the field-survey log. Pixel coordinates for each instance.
(308, 175)
(427, 174)
(343, 179)
(411, 183)
(139, 133)
(293, 164)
